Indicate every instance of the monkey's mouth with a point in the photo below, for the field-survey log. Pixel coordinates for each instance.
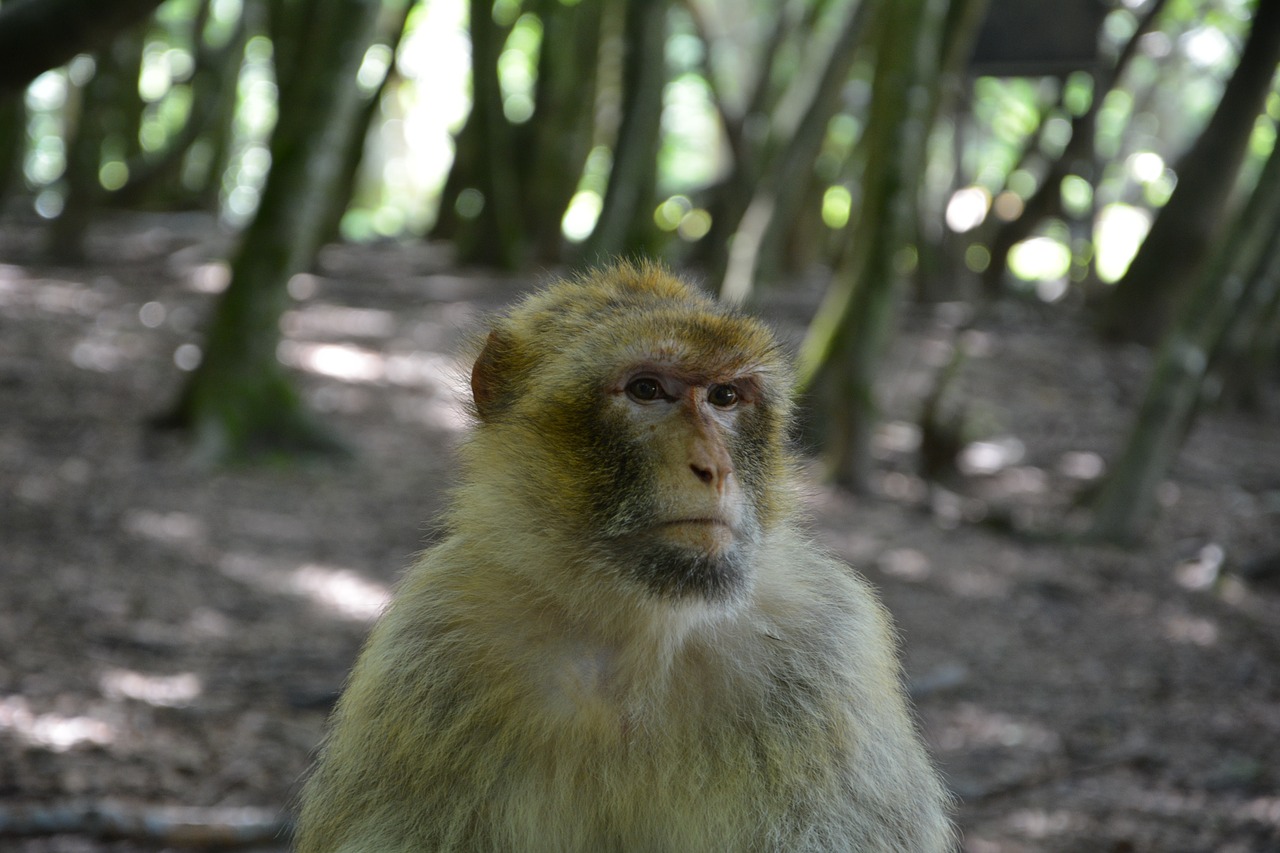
(706, 535)
(713, 522)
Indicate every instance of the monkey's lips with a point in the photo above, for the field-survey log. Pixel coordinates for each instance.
(709, 535)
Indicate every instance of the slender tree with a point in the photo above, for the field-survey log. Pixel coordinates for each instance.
(240, 402)
(626, 219)
(841, 354)
(37, 35)
(108, 113)
(1125, 502)
(552, 148)
(1077, 157)
(1182, 235)
(480, 208)
(777, 194)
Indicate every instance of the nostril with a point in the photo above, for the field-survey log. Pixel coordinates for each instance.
(702, 474)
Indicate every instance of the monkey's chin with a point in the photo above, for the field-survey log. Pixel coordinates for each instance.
(679, 570)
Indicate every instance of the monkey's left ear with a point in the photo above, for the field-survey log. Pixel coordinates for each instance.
(493, 376)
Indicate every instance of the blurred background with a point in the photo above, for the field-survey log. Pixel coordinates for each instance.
(1025, 252)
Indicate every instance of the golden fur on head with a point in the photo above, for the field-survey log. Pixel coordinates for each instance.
(539, 684)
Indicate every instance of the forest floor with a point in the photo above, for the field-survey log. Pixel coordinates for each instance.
(173, 636)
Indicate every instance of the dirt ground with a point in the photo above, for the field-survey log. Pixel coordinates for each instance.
(172, 636)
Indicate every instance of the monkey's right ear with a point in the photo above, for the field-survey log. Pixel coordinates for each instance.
(492, 376)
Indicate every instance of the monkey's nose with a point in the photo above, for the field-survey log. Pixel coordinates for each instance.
(706, 475)
(712, 472)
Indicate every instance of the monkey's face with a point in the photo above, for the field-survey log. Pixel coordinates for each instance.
(676, 516)
(652, 425)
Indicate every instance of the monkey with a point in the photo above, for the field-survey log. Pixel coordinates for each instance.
(624, 640)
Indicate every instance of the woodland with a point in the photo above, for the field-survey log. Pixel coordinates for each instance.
(1026, 254)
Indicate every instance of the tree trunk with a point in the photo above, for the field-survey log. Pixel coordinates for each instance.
(626, 220)
(1167, 263)
(157, 179)
(773, 207)
(729, 198)
(841, 354)
(37, 35)
(555, 144)
(239, 403)
(1246, 359)
(487, 229)
(1126, 500)
(13, 142)
(108, 113)
(1077, 157)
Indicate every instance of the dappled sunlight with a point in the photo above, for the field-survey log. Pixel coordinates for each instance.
(1186, 629)
(48, 295)
(170, 528)
(967, 208)
(1039, 258)
(906, 564)
(341, 592)
(55, 732)
(991, 456)
(439, 376)
(338, 320)
(1119, 230)
(970, 726)
(350, 363)
(1081, 465)
(211, 278)
(161, 691)
(1202, 571)
(344, 362)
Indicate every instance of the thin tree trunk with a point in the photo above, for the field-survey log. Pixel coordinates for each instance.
(489, 232)
(1077, 156)
(626, 219)
(1126, 501)
(1168, 261)
(774, 204)
(13, 142)
(555, 144)
(1245, 360)
(841, 354)
(37, 35)
(108, 111)
(239, 402)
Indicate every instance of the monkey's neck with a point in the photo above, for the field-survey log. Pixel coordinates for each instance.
(600, 631)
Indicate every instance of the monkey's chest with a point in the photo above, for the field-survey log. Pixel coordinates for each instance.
(580, 692)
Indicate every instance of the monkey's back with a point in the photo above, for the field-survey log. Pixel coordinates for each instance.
(482, 716)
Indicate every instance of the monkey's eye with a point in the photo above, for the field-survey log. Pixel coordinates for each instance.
(644, 389)
(722, 396)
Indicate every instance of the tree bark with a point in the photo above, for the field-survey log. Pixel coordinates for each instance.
(841, 354)
(626, 219)
(485, 160)
(774, 204)
(1126, 500)
(555, 144)
(239, 403)
(37, 35)
(1182, 235)
(1077, 157)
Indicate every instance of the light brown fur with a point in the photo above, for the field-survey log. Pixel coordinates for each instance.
(524, 693)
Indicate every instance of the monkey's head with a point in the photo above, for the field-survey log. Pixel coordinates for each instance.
(632, 414)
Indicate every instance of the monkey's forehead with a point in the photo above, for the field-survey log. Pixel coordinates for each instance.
(622, 315)
(706, 341)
